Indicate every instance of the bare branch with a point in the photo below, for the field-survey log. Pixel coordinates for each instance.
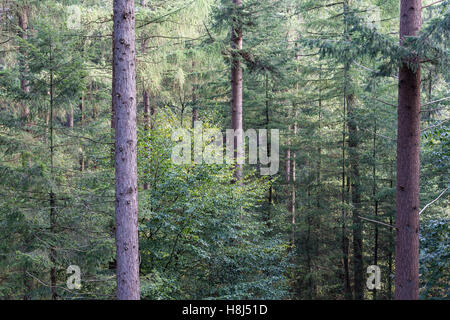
(429, 204)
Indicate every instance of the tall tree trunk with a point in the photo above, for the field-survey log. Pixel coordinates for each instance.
(293, 180)
(269, 212)
(147, 121)
(391, 243)
(113, 96)
(236, 91)
(374, 195)
(358, 271)
(127, 251)
(408, 163)
(344, 198)
(145, 95)
(52, 194)
(22, 15)
(194, 97)
(81, 106)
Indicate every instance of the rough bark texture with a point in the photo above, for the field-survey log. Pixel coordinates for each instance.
(127, 253)
(236, 91)
(408, 164)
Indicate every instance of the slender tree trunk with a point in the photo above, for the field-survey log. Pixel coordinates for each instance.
(147, 121)
(408, 164)
(344, 196)
(391, 245)
(52, 194)
(358, 271)
(269, 213)
(236, 91)
(293, 180)
(25, 112)
(124, 88)
(23, 33)
(82, 109)
(353, 141)
(81, 106)
(194, 97)
(374, 194)
(113, 96)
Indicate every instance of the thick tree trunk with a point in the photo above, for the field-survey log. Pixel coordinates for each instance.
(236, 92)
(408, 164)
(127, 251)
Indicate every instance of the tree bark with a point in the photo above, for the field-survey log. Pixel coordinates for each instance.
(236, 91)
(408, 163)
(124, 102)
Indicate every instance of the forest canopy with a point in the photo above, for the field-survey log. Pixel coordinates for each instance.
(314, 140)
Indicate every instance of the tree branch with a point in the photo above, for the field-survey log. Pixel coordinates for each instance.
(429, 204)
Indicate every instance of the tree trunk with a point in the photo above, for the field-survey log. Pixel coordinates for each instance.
(124, 102)
(194, 97)
(293, 187)
(391, 246)
(147, 118)
(52, 194)
(236, 92)
(358, 271)
(82, 110)
(147, 121)
(23, 33)
(69, 118)
(374, 194)
(344, 198)
(408, 164)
